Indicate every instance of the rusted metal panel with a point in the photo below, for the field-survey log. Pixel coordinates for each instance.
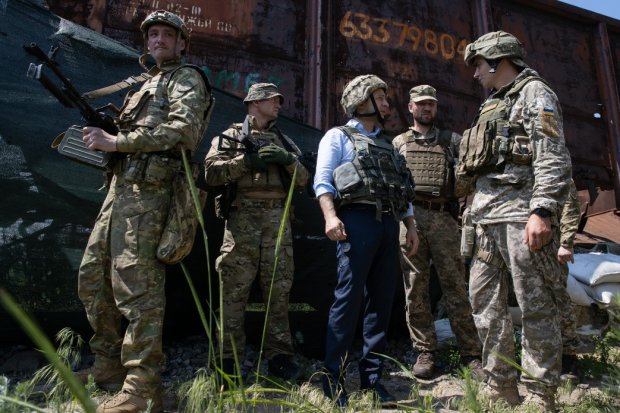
(406, 44)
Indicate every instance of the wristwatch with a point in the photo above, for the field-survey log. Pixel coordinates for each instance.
(542, 212)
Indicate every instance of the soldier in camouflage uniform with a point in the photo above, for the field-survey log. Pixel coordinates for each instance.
(120, 275)
(515, 155)
(431, 156)
(257, 162)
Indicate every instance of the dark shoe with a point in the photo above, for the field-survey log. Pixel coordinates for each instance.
(424, 367)
(335, 390)
(475, 367)
(570, 372)
(108, 379)
(283, 367)
(381, 394)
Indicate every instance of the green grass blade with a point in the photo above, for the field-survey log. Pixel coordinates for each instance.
(29, 406)
(37, 336)
(281, 229)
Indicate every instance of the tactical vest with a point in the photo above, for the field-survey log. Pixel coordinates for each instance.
(272, 179)
(494, 140)
(431, 165)
(377, 174)
(149, 107)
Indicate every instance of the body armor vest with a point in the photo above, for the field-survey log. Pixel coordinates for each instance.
(270, 179)
(148, 107)
(493, 140)
(377, 174)
(431, 166)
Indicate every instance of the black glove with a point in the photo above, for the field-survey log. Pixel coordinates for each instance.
(275, 154)
(254, 162)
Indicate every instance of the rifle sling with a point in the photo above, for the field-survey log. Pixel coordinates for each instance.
(123, 84)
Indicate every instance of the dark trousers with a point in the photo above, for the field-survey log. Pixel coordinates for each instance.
(368, 270)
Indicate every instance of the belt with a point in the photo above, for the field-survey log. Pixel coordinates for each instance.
(364, 207)
(430, 205)
(261, 203)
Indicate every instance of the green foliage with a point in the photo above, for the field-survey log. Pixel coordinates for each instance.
(38, 337)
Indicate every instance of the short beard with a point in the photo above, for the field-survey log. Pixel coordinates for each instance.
(424, 122)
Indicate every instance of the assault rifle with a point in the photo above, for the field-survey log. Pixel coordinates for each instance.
(71, 144)
(247, 145)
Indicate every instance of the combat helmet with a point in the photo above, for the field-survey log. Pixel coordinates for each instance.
(169, 19)
(358, 90)
(495, 46)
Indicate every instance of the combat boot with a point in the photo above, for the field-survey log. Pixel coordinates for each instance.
(509, 394)
(542, 401)
(109, 379)
(424, 366)
(475, 367)
(283, 367)
(125, 402)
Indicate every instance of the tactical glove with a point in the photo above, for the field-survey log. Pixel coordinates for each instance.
(275, 154)
(254, 162)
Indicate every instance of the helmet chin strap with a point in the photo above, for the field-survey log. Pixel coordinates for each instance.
(375, 113)
(493, 64)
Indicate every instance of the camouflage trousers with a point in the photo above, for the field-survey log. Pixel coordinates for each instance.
(249, 249)
(566, 312)
(120, 276)
(535, 275)
(439, 242)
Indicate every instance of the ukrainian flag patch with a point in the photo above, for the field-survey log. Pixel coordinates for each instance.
(549, 122)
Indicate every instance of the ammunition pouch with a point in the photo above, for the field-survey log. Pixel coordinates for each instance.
(346, 178)
(71, 144)
(468, 235)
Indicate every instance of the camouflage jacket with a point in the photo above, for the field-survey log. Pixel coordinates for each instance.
(571, 215)
(151, 121)
(510, 195)
(226, 166)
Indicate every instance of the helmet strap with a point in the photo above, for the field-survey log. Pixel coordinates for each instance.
(374, 113)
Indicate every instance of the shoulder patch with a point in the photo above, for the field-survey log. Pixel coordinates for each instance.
(549, 123)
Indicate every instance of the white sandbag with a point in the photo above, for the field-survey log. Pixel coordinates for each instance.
(604, 293)
(579, 293)
(596, 268)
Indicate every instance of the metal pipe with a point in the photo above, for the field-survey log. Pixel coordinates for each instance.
(312, 82)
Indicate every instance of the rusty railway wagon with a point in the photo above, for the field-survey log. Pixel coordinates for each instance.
(310, 49)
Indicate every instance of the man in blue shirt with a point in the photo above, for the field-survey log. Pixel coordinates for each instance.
(364, 188)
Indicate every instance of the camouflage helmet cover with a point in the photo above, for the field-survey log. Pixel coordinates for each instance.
(496, 45)
(262, 91)
(167, 18)
(358, 90)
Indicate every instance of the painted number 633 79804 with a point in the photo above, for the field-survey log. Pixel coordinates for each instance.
(381, 30)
